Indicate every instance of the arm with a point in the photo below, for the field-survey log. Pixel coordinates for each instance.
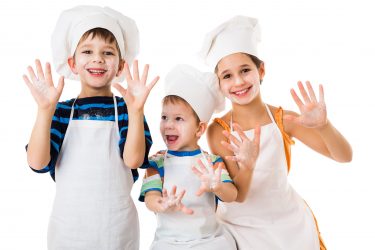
(135, 97)
(313, 128)
(239, 159)
(46, 96)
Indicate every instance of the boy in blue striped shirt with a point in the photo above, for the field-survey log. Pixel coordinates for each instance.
(91, 145)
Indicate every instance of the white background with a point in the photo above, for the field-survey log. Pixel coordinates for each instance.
(328, 42)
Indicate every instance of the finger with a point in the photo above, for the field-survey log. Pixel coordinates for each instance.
(311, 92)
(180, 196)
(39, 70)
(120, 89)
(301, 88)
(165, 193)
(173, 190)
(48, 75)
(32, 75)
(231, 158)
(257, 135)
(321, 94)
(296, 99)
(200, 191)
(128, 76)
(27, 81)
(202, 166)
(135, 70)
(145, 73)
(60, 85)
(152, 84)
(231, 138)
(230, 147)
(240, 132)
(219, 170)
(186, 210)
(196, 171)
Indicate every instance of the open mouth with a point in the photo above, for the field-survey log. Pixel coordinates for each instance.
(171, 139)
(97, 72)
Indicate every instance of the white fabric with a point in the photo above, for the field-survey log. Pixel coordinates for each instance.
(239, 34)
(273, 216)
(93, 208)
(73, 23)
(176, 230)
(200, 89)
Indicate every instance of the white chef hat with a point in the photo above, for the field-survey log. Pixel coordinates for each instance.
(200, 89)
(238, 34)
(73, 23)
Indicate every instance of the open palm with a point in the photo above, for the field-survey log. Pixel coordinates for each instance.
(41, 86)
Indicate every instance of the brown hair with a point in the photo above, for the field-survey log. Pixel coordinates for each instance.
(173, 99)
(102, 33)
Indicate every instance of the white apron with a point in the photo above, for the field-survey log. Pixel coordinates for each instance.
(273, 216)
(200, 231)
(93, 208)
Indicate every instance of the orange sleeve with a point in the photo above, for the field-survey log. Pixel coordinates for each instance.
(288, 142)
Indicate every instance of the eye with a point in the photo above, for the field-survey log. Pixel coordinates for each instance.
(179, 119)
(227, 76)
(108, 53)
(164, 117)
(87, 52)
(245, 70)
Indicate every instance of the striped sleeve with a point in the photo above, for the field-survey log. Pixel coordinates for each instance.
(153, 179)
(57, 132)
(224, 173)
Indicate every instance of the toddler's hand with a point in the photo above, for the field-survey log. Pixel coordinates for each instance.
(42, 88)
(245, 151)
(172, 202)
(137, 92)
(210, 178)
(313, 112)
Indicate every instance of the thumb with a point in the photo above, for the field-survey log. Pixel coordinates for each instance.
(120, 89)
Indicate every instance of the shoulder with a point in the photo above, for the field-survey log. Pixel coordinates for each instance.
(216, 127)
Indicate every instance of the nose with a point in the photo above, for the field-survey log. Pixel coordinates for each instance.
(238, 80)
(98, 58)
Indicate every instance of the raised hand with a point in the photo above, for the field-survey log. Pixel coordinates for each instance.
(313, 112)
(245, 151)
(41, 86)
(172, 202)
(137, 92)
(210, 178)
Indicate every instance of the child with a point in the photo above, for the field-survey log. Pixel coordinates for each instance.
(187, 220)
(91, 144)
(272, 215)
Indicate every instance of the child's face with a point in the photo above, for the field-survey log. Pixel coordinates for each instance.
(97, 63)
(179, 127)
(239, 78)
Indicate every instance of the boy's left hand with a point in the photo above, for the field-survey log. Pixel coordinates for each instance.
(313, 112)
(137, 92)
(209, 177)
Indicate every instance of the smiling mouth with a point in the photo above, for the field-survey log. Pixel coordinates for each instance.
(242, 92)
(96, 72)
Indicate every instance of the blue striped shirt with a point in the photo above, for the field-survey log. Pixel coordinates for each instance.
(90, 108)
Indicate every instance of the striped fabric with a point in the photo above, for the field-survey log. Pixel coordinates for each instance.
(154, 182)
(99, 108)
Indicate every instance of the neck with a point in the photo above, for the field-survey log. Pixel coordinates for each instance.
(85, 92)
(251, 114)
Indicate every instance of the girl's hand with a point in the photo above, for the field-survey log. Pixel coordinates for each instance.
(245, 151)
(313, 112)
(137, 92)
(42, 88)
(210, 178)
(172, 202)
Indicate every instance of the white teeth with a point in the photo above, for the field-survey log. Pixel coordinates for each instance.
(94, 71)
(241, 92)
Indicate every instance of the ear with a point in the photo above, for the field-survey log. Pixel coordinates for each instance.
(262, 71)
(120, 67)
(201, 129)
(72, 64)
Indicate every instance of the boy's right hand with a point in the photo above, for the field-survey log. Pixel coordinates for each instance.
(41, 86)
(172, 202)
